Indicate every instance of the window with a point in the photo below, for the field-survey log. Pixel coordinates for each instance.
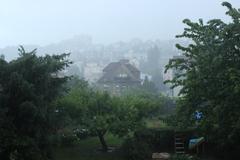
(122, 75)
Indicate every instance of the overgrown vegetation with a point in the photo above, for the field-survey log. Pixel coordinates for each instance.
(29, 84)
(99, 113)
(210, 79)
(40, 109)
(147, 141)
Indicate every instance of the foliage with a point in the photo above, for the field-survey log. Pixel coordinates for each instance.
(82, 133)
(29, 84)
(147, 141)
(149, 104)
(2, 56)
(98, 112)
(134, 149)
(210, 78)
(69, 139)
(149, 86)
(161, 140)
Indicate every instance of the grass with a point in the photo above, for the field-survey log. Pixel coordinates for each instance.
(88, 150)
(155, 123)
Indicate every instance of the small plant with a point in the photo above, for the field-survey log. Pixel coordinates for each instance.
(81, 133)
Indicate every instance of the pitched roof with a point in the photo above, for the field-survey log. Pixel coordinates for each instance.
(114, 66)
(132, 68)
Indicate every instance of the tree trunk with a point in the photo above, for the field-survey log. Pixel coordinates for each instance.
(103, 142)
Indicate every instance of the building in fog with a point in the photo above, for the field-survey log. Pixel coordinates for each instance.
(92, 72)
(120, 75)
(170, 74)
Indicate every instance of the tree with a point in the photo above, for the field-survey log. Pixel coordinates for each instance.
(29, 84)
(211, 83)
(149, 86)
(2, 56)
(99, 112)
(100, 116)
(153, 67)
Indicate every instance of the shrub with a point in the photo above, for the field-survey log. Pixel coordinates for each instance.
(81, 133)
(68, 140)
(145, 142)
(136, 150)
(161, 140)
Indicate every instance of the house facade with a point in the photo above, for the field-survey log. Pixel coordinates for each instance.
(119, 75)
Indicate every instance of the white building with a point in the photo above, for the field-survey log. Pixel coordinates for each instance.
(169, 75)
(92, 72)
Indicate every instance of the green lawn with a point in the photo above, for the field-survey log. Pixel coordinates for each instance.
(88, 150)
(155, 123)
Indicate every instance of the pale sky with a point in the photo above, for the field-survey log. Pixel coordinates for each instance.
(46, 21)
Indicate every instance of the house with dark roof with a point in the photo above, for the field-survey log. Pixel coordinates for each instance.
(119, 75)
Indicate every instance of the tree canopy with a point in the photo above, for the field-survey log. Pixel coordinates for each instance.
(84, 107)
(98, 112)
(210, 77)
(27, 87)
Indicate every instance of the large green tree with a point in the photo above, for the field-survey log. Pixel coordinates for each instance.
(211, 78)
(28, 85)
(99, 112)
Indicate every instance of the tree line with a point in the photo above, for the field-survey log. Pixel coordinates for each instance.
(37, 103)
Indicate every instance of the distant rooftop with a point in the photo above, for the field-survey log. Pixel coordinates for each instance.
(121, 71)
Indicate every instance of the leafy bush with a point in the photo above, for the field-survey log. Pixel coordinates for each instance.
(145, 142)
(70, 139)
(161, 140)
(134, 149)
(82, 133)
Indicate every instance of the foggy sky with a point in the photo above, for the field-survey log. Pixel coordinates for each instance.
(45, 21)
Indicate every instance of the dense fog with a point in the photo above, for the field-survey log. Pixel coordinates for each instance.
(44, 22)
(119, 79)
